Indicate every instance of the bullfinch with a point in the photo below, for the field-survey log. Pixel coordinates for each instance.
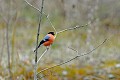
(47, 40)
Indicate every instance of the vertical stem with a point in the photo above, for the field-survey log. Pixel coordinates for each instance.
(8, 51)
(40, 19)
(1, 53)
(7, 39)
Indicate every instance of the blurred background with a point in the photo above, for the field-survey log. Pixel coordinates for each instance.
(18, 29)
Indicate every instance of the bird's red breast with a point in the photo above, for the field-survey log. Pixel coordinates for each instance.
(50, 41)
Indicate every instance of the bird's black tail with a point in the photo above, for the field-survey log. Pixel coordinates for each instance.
(39, 45)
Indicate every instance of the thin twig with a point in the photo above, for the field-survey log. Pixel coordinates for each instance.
(8, 51)
(35, 7)
(93, 49)
(73, 58)
(7, 40)
(32, 6)
(71, 28)
(74, 50)
(51, 23)
(3, 43)
(42, 55)
(47, 16)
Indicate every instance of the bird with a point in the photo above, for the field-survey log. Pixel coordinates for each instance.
(47, 40)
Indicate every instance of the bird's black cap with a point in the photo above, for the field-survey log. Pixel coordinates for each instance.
(51, 33)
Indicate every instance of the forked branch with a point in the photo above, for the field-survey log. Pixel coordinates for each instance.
(73, 58)
(47, 16)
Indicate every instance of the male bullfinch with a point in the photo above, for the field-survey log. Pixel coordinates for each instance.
(47, 40)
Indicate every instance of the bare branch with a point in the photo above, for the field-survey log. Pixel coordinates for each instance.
(32, 6)
(93, 49)
(71, 28)
(73, 58)
(42, 55)
(8, 50)
(40, 19)
(51, 23)
(3, 43)
(35, 7)
(73, 49)
(47, 16)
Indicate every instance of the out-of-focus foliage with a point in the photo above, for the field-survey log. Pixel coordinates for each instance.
(104, 19)
(108, 70)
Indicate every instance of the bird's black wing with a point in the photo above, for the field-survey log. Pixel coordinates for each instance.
(46, 38)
